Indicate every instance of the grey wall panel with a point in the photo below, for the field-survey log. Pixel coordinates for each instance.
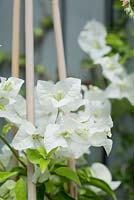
(77, 14)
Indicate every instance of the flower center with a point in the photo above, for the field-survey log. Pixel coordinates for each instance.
(122, 87)
(97, 113)
(37, 136)
(8, 86)
(58, 96)
(96, 44)
(65, 134)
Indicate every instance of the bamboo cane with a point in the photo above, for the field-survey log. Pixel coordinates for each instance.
(58, 39)
(15, 38)
(30, 85)
(15, 52)
(62, 71)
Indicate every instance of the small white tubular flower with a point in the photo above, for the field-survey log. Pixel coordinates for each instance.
(64, 94)
(92, 40)
(111, 68)
(9, 89)
(5, 156)
(100, 171)
(122, 89)
(15, 113)
(27, 137)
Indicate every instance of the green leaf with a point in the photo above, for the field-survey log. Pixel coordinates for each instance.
(63, 196)
(68, 173)
(6, 128)
(38, 157)
(42, 151)
(86, 178)
(102, 185)
(52, 152)
(20, 190)
(7, 175)
(87, 192)
(43, 164)
(33, 156)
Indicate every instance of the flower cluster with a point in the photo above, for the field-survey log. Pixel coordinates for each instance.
(65, 118)
(121, 83)
(92, 40)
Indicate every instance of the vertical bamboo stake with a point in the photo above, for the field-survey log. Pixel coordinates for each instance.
(15, 38)
(62, 71)
(30, 85)
(15, 50)
(59, 40)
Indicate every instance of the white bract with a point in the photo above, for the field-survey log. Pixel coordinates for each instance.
(15, 113)
(5, 156)
(9, 89)
(45, 113)
(111, 68)
(75, 133)
(69, 134)
(64, 94)
(95, 28)
(100, 171)
(27, 137)
(123, 88)
(7, 190)
(92, 40)
(94, 93)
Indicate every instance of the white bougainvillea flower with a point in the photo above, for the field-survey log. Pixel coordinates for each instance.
(75, 150)
(122, 89)
(100, 122)
(64, 94)
(27, 137)
(99, 113)
(111, 68)
(94, 93)
(5, 156)
(95, 47)
(100, 171)
(54, 137)
(69, 135)
(9, 89)
(74, 131)
(95, 28)
(15, 113)
(45, 113)
(92, 40)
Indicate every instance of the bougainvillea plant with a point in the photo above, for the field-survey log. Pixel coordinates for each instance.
(69, 119)
(128, 7)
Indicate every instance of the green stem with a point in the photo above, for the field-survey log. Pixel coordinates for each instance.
(12, 150)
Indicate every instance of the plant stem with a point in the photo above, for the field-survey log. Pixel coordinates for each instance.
(72, 185)
(12, 150)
